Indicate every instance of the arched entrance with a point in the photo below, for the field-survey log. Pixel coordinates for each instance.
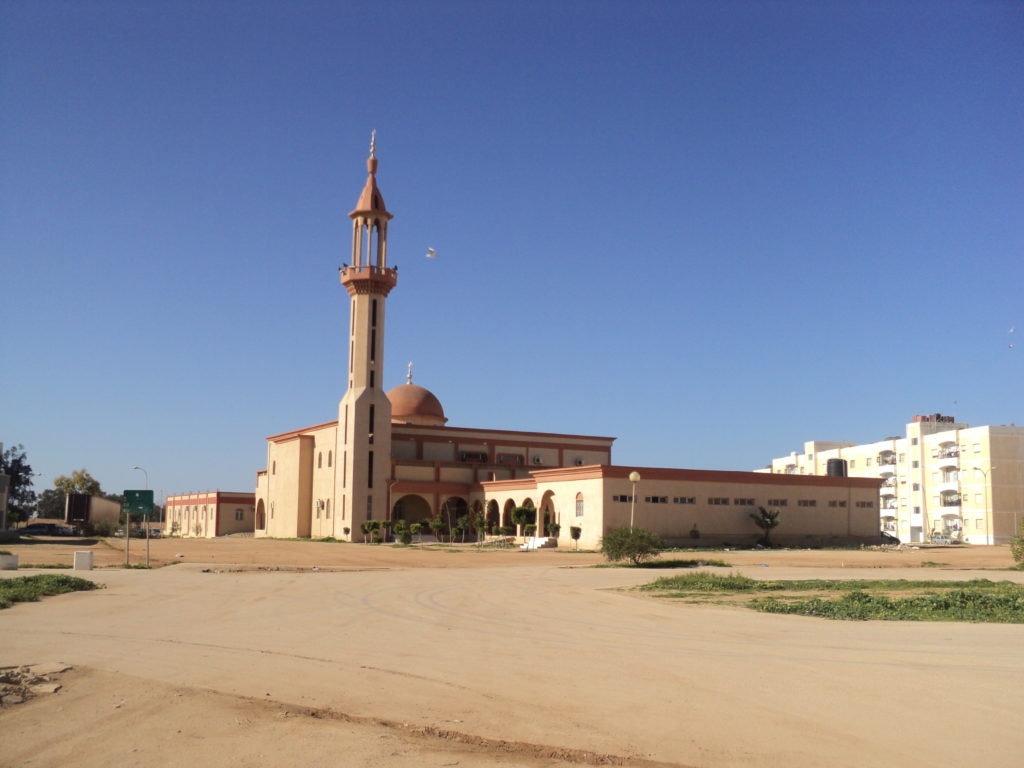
(454, 513)
(492, 516)
(547, 516)
(412, 508)
(261, 516)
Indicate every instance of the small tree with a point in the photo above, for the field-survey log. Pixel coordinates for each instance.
(766, 520)
(1017, 545)
(553, 529)
(403, 532)
(459, 528)
(479, 522)
(436, 526)
(575, 532)
(633, 544)
(524, 516)
(375, 531)
(366, 526)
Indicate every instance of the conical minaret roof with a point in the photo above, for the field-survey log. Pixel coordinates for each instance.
(371, 201)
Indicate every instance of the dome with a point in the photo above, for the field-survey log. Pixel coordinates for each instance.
(412, 404)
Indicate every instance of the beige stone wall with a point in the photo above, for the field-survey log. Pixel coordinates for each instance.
(209, 514)
(814, 511)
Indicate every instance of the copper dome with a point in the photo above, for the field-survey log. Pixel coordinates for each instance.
(412, 404)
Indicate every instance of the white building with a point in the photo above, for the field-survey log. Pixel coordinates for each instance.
(942, 477)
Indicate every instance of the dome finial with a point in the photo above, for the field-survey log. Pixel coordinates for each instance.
(373, 143)
(408, 376)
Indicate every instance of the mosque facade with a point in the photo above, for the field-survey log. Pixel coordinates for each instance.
(391, 455)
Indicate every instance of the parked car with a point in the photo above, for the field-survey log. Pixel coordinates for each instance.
(888, 538)
(45, 529)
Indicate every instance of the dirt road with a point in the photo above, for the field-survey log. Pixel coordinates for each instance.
(244, 655)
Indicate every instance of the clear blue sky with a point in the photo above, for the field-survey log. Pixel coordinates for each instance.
(713, 230)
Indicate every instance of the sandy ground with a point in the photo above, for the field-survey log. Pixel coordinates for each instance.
(264, 653)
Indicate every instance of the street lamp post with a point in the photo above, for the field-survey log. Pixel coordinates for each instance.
(987, 527)
(634, 478)
(127, 532)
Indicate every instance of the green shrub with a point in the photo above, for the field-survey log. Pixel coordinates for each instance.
(31, 588)
(1017, 545)
(633, 544)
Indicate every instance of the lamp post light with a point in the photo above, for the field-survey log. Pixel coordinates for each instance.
(634, 478)
(987, 528)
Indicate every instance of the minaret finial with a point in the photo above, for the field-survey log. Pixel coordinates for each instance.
(373, 143)
(408, 376)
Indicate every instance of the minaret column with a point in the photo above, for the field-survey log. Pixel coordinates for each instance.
(364, 414)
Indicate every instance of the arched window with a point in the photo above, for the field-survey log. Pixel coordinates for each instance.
(320, 460)
(579, 505)
(330, 456)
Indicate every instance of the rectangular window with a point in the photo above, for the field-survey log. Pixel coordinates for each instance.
(865, 505)
(853, 463)
(867, 462)
(743, 502)
(239, 514)
(623, 499)
(718, 501)
(916, 464)
(807, 503)
(369, 470)
(656, 499)
(684, 500)
(579, 507)
(778, 502)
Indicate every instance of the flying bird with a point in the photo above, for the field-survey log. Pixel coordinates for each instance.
(431, 253)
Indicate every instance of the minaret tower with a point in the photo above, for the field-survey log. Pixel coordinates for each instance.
(364, 415)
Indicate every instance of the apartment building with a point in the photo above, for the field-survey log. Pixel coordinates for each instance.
(942, 478)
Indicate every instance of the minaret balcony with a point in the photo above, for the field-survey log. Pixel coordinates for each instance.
(368, 279)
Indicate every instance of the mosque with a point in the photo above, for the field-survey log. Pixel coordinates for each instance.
(391, 455)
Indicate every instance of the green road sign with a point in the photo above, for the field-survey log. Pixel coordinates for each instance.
(138, 503)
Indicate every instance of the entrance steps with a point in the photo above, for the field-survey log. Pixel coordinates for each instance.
(539, 542)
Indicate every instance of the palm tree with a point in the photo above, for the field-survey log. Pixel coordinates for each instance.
(765, 519)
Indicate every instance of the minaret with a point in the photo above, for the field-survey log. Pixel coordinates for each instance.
(364, 415)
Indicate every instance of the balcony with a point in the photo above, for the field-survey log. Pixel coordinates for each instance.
(888, 458)
(949, 501)
(947, 452)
